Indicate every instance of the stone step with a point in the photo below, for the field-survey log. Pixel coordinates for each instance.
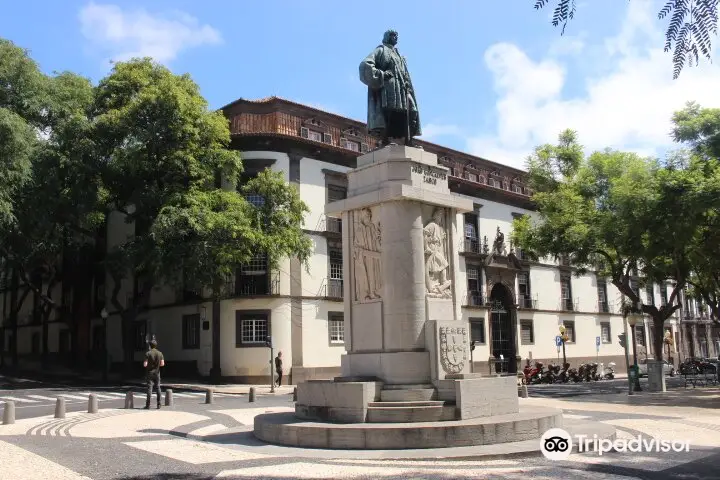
(408, 395)
(529, 424)
(397, 414)
(426, 403)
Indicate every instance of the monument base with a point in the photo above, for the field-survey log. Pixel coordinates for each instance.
(392, 368)
(285, 429)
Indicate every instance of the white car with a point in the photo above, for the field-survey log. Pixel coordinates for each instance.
(668, 368)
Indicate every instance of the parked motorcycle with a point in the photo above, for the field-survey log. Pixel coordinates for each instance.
(594, 375)
(563, 374)
(581, 372)
(534, 373)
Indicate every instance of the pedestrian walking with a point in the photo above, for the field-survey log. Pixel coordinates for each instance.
(278, 368)
(153, 361)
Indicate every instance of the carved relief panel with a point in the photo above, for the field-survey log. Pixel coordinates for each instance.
(366, 249)
(438, 274)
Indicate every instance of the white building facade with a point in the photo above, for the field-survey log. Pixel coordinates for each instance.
(514, 306)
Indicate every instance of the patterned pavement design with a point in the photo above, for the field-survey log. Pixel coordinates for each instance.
(175, 444)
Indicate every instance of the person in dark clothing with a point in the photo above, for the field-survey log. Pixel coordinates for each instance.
(153, 361)
(278, 368)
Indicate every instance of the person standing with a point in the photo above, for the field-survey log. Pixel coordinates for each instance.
(153, 361)
(278, 368)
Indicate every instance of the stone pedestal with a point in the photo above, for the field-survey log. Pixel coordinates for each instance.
(400, 266)
(408, 350)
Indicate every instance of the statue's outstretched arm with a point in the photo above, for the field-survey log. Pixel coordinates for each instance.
(370, 75)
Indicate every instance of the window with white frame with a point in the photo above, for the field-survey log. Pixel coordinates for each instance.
(251, 327)
(336, 328)
(315, 136)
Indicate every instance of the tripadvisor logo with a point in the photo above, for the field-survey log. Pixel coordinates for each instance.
(557, 444)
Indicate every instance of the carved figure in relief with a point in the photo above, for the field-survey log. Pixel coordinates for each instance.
(453, 349)
(499, 244)
(366, 255)
(436, 264)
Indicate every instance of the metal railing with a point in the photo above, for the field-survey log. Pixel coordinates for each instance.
(254, 285)
(528, 302)
(333, 225)
(569, 304)
(472, 245)
(474, 299)
(335, 288)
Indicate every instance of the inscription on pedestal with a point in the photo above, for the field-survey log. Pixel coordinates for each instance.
(453, 349)
(430, 175)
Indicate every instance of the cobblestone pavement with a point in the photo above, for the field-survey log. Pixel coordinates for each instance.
(193, 441)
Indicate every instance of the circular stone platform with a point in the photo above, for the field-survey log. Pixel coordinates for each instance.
(286, 429)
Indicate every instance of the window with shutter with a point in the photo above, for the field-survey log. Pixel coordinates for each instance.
(477, 330)
(605, 332)
(527, 336)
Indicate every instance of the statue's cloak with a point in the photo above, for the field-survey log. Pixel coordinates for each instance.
(385, 95)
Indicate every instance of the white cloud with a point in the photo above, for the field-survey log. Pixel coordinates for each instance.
(628, 107)
(137, 33)
(434, 130)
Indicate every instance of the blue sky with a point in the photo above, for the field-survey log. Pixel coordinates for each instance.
(493, 78)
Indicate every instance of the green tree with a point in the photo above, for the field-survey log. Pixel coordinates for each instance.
(163, 151)
(617, 213)
(57, 208)
(22, 98)
(688, 33)
(699, 129)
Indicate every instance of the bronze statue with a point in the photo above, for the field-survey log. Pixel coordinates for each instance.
(392, 106)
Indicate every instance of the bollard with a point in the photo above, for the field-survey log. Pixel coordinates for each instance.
(60, 408)
(168, 397)
(92, 403)
(129, 400)
(295, 394)
(209, 396)
(251, 394)
(523, 391)
(9, 413)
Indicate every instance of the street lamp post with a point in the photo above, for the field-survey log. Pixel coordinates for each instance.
(633, 319)
(106, 366)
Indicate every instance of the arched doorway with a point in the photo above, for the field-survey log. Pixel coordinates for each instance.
(502, 329)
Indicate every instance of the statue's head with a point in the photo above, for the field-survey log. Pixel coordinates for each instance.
(438, 215)
(390, 37)
(367, 214)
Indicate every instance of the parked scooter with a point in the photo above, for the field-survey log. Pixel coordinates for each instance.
(608, 373)
(594, 375)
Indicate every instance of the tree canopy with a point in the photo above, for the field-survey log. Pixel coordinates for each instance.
(142, 146)
(690, 23)
(631, 219)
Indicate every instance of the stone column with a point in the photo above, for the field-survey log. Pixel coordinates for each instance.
(483, 279)
(403, 276)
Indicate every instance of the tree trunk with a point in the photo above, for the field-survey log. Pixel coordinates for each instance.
(658, 335)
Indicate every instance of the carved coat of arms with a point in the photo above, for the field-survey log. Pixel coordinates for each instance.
(453, 348)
